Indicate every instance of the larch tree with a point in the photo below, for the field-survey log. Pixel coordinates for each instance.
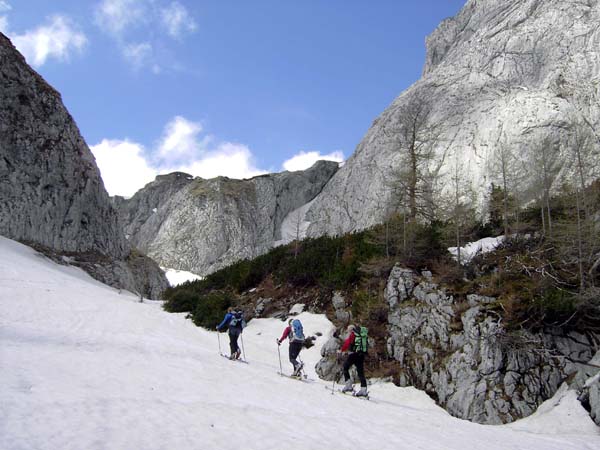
(507, 171)
(545, 165)
(461, 198)
(415, 134)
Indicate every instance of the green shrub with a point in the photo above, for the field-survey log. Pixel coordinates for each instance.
(331, 262)
(182, 300)
(556, 304)
(211, 308)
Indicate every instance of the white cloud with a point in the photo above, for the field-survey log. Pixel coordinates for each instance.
(138, 55)
(183, 148)
(176, 20)
(118, 16)
(128, 22)
(127, 166)
(228, 159)
(123, 166)
(304, 160)
(57, 39)
(180, 141)
(4, 7)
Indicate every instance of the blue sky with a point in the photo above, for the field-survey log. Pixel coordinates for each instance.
(220, 87)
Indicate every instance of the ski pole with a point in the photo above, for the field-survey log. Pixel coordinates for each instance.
(219, 339)
(337, 375)
(243, 351)
(279, 354)
(333, 385)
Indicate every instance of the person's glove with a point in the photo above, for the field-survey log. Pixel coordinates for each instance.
(278, 341)
(217, 328)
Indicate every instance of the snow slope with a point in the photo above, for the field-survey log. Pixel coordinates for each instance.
(294, 225)
(84, 367)
(177, 277)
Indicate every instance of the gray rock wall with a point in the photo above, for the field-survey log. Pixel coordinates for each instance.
(501, 73)
(587, 383)
(462, 355)
(51, 193)
(203, 225)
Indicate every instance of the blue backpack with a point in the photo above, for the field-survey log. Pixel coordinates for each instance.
(296, 331)
(237, 320)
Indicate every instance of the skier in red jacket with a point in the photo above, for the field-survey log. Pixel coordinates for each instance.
(356, 357)
(296, 336)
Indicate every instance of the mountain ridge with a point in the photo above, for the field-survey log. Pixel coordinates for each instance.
(201, 225)
(52, 194)
(499, 73)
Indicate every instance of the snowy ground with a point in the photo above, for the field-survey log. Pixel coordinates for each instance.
(177, 277)
(472, 249)
(294, 226)
(82, 367)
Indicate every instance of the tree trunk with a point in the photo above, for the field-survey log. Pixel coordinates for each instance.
(412, 187)
(579, 244)
(543, 217)
(505, 201)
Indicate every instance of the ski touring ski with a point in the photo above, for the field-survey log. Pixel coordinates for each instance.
(302, 377)
(349, 394)
(234, 360)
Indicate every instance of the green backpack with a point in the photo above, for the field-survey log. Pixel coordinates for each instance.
(361, 340)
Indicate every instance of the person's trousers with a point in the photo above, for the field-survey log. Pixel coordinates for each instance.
(234, 334)
(295, 348)
(357, 359)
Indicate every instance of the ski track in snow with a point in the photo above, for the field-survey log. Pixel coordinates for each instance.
(83, 367)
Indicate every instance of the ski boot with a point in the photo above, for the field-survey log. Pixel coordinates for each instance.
(298, 370)
(362, 393)
(297, 373)
(348, 387)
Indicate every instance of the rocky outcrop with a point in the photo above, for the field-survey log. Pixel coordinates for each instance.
(50, 187)
(203, 225)
(587, 384)
(501, 74)
(461, 354)
(51, 193)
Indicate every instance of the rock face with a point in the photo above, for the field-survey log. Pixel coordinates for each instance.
(51, 193)
(587, 383)
(501, 74)
(203, 225)
(462, 356)
(512, 76)
(50, 187)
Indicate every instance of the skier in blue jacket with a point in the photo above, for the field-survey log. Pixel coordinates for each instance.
(234, 320)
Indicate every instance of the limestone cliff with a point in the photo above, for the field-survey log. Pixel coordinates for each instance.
(501, 74)
(203, 225)
(462, 355)
(51, 193)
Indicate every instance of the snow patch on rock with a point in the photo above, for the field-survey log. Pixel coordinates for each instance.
(480, 247)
